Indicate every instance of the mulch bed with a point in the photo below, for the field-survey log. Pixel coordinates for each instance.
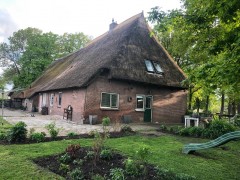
(88, 168)
(59, 138)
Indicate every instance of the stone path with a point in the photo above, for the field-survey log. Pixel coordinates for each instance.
(40, 121)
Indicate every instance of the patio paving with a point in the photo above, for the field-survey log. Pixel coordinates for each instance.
(38, 122)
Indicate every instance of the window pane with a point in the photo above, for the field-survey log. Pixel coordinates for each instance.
(148, 102)
(60, 99)
(51, 99)
(139, 102)
(158, 67)
(149, 66)
(105, 100)
(114, 100)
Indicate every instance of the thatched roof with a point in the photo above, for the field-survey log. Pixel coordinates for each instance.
(122, 51)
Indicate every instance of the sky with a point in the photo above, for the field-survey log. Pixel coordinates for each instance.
(92, 17)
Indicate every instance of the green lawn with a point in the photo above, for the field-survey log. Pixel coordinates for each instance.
(15, 160)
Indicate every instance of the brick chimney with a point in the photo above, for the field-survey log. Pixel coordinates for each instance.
(112, 25)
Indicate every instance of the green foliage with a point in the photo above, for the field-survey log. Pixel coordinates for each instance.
(142, 154)
(3, 136)
(53, 131)
(72, 150)
(76, 174)
(71, 134)
(126, 129)
(163, 127)
(106, 121)
(18, 133)
(117, 174)
(97, 177)
(106, 154)
(90, 155)
(38, 136)
(64, 168)
(132, 167)
(78, 162)
(65, 158)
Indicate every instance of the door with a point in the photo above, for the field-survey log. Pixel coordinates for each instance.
(148, 109)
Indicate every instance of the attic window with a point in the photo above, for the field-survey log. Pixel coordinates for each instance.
(153, 67)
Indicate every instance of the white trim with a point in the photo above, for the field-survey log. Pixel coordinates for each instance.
(110, 108)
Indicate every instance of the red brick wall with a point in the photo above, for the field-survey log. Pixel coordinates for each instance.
(168, 105)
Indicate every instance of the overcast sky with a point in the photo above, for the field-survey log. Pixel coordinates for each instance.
(91, 17)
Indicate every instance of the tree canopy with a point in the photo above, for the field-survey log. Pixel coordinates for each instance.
(204, 39)
(30, 51)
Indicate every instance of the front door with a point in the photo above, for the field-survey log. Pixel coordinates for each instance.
(148, 109)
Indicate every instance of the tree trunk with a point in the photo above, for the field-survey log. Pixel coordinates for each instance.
(233, 108)
(207, 104)
(222, 104)
(190, 98)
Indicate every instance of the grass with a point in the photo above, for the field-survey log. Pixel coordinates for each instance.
(15, 160)
(4, 125)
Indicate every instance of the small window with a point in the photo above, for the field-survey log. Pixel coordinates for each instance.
(149, 66)
(158, 67)
(140, 102)
(109, 100)
(51, 99)
(59, 99)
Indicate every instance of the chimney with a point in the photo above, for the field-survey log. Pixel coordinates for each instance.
(112, 25)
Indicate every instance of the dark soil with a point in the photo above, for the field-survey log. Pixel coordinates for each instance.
(88, 168)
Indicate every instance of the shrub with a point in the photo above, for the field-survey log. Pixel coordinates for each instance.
(72, 150)
(90, 155)
(106, 154)
(18, 133)
(106, 121)
(163, 127)
(78, 162)
(65, 158)
(64, 168)
(126, 129)
(97, 177)
(3, 136)
(53, 131)
(117, 174)
(142, 154)
(76, 174)
(71, 134)
(38, 137)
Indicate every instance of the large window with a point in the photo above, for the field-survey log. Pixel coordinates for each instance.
(59, 99)
(153, 67)
(109, 100)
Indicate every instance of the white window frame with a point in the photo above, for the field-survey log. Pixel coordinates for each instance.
(59, 104)
(110, 107)
(51, 99)
(143, 97)
(154, 68)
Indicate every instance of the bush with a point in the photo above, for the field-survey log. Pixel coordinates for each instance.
(76, 174)
(132, 167)
(3, 136)
(142, 154)
(18, 133)
(163, 127)
(97, 177)
(71, 134)
(72, 150)
(64, 168)
(53, 131)
(126, 129)
(106, 154)
(106, 121)
(38, 137)
(117, 174)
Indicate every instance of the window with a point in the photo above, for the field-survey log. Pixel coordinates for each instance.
(51, 99)
(153, 67)
(140, 102)
(149, 66)
(59, 99)
(109, 100)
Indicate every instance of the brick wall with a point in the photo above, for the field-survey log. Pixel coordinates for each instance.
(168, 105)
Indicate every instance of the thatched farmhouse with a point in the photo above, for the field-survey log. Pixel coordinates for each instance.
(122, 73)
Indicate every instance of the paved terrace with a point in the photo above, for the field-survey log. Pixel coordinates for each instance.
(38, 122)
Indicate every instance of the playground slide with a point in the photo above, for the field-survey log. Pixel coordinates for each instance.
(214, 143)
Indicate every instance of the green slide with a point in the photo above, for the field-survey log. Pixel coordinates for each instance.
(214, 143)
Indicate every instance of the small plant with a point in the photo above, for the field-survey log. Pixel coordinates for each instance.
(97, 177)
(126, 129)
(117, 174)
(163, 127)
(76, 174)
(65, 158)
(106, 154)
(53, 131)
(64, 167)
(142, 154)
(18, 133)
(3, 136)
(71, 134)
(90, 155)
(73, 149)
(31, 131)
(78, 162)
(38, 137)
(106, 121)
(132, 167)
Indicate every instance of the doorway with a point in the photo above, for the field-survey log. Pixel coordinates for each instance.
(148, 109)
